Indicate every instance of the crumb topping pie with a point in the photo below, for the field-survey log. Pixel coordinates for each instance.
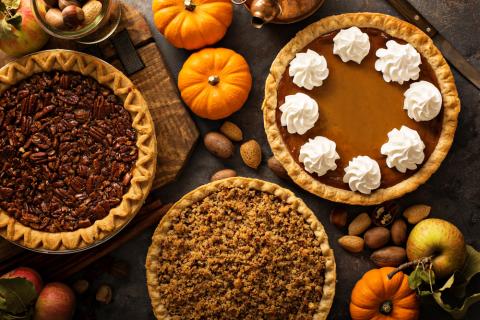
(360, 108)
(240, 248)
(77, 147)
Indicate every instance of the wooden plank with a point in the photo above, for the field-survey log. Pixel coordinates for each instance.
(176, 132)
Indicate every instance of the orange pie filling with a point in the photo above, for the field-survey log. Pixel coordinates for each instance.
(357, 109)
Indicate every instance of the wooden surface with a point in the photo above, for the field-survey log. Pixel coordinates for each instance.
(176, 136)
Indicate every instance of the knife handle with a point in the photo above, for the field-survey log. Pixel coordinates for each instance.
(413, 16)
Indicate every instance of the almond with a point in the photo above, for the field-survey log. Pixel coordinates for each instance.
(377, 237)
(218, 145)
(389, 257)
(251, 154)
(277, 168)
(359, 225)
(223, 174)
(338, 217)
(399, 232)
(417, 213)
(232, 131)
(352, 244)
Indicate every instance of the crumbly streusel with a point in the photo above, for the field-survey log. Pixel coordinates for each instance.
(240, 254)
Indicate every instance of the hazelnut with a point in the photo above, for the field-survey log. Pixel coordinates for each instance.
(73, 16)
(92, 10)
(54, 18)
(62, 4)
(104, 294)
(81, 286)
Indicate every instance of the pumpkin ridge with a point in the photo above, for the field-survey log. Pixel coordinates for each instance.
(206, 12)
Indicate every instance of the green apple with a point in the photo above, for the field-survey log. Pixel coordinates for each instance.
(440, 240)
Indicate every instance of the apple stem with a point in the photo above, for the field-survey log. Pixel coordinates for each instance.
(408, 265)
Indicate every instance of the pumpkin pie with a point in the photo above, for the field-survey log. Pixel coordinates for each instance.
(360, 108)
(240, 248)
(77, 150)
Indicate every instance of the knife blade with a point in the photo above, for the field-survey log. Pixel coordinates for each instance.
(410, 13)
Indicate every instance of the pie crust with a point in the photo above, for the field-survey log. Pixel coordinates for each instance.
(395, 28)
(143, 171)
(200, 193)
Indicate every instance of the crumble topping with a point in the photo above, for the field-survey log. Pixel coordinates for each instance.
(240, 254)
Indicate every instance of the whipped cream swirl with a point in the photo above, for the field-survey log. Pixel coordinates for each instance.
(362, 174)
(308, 69)
(404, 149)
(351, 44)
(398, 62)
(319, 155)
(299, 113)
(423, 101)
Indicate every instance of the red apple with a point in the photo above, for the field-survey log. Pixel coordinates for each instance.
(56, 302)
(24, 38)
(28, 274)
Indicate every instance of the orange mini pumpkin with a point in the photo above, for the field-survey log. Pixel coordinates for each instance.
(375, 297)
(192, 24)
(215, 83)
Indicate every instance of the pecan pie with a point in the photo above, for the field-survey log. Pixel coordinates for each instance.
(240, 248)
(77, 150)
(384, 101)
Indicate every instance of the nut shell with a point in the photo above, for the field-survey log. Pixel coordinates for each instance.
(352, 244)
(104, 294)
(218, 145)
(399, 232)
(251, 154)
(389, 256)
(359, 225)
(91, 10)
(377, 237)
(232, 131)
(223, 174)
(62, 4)
(385, 214)
(277, 168)
(73, 16)
(54, 18)
(338, 217)
(417, 213)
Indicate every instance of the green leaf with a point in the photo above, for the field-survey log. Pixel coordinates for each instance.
(15, 20)
(414, 279)
(424, 293)
(11, 4)
(17, 296)
(457, 285)
(427, 276)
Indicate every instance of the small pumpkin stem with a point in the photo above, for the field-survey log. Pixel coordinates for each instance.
(189, 5)
(408, 265)
(213, 80)
(386, 308)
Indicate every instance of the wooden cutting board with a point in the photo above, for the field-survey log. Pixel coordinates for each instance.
(176, 136)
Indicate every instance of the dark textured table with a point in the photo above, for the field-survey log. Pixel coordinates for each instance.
(453, 191)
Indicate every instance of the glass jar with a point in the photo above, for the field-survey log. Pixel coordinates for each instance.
(103, 26)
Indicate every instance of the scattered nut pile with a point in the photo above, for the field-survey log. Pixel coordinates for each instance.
(382, 231)
(221, 145)
(72, 14)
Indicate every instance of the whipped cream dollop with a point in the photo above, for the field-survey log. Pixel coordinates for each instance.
(351, 44)
(404, 149)
(423, 101)
(319, 155)
(299, 113)
(362, 174)
(308, 69)
(398, 62)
